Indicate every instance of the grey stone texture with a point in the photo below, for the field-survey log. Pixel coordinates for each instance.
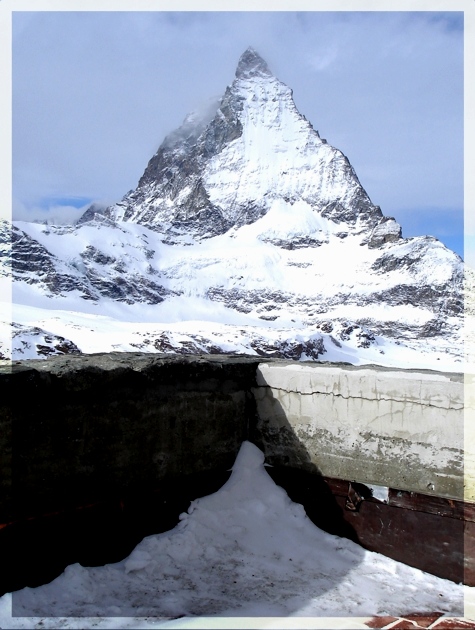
(398, 428)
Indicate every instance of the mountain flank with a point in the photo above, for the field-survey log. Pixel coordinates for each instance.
(249, 223)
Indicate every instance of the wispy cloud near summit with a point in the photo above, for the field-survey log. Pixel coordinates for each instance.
(95, 93)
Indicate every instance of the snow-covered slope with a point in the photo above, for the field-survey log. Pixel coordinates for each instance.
(245, 551)
(248, 233)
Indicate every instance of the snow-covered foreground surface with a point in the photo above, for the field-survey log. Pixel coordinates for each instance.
(245, 551)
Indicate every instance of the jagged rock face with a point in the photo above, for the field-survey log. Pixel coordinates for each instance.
(32, 263)
(31, 342)
(89, 271)
(387, 231)
(94, 210)
(255, 151)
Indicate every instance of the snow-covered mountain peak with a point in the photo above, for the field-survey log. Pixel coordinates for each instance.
(251, 64)
(244, 219)
(228, 168)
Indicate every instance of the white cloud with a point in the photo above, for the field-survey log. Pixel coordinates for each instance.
(54, 214)
(323, 60)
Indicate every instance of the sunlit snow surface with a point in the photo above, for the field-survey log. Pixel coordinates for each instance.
(106, 333)
(245, 551)
(293, 291)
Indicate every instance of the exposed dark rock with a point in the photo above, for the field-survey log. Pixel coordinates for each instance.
(311, 349)
(96, 256)
(296, 243)
(95, 211)
(33, 263)
(347, 330)
(365, 338)
(245, 301)
(387, 231)
(44, 343)
(251, 65)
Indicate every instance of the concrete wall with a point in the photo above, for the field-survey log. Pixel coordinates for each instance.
(469, 436)
(79, 429)
(397, 428)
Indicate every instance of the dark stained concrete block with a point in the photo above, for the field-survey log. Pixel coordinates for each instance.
(79, 429)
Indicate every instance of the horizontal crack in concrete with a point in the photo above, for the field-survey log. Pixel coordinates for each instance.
(402, 400)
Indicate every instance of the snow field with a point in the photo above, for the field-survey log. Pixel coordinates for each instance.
(243, 259)
(96, 331)
(289, 288)
(244, 551)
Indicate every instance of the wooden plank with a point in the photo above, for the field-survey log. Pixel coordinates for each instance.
(469, 553)
(420, 539)
(430, 504)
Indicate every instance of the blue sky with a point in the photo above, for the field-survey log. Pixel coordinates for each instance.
(94, 94)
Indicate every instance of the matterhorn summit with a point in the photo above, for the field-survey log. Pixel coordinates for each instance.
(247, 233)
(251, 64)
(256, 155)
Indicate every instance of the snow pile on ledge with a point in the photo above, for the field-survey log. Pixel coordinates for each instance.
(245, 551)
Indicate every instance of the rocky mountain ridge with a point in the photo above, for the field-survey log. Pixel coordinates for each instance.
(210, 176)
(245, 216)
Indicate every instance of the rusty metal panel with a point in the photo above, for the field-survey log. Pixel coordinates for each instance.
(430, 533)
(426, 541)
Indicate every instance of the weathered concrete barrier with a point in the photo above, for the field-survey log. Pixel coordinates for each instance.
(76, 429)
(83, 426)
(469, 435)
(398, 428)
(101, 450)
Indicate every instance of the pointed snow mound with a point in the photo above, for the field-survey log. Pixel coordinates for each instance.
(246, 550)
